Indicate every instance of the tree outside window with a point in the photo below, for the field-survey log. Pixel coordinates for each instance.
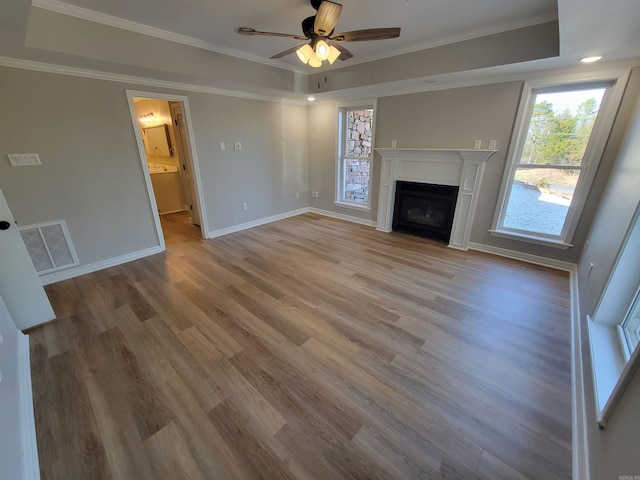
(552, 160)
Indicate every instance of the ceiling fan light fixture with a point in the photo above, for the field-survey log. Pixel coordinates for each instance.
(334, 53)
(305, 53)
(314, 61)
(322, 50)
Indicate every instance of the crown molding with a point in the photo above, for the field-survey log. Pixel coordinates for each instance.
(442, 41)
(150, 82)
(111, 21)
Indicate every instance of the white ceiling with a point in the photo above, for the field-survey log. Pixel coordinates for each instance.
(586, 27)
(424, 23)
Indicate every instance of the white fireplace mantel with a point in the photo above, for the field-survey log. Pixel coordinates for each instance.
(461, 168)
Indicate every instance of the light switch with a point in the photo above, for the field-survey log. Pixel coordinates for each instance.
(221, 145)
(24, 159)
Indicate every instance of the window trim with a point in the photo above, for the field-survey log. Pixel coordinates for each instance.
(613, 363)
(340, 174)
(595, 149)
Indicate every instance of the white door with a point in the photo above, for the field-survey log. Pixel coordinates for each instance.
(20, 286)
(182, 141)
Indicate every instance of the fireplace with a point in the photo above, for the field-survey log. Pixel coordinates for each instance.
(461, 169)
(425, 209)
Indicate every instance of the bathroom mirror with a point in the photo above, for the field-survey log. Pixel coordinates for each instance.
(158, 141)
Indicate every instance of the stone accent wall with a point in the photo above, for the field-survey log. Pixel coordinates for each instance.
(358, 144)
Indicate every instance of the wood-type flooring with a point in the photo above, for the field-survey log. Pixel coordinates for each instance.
(308, 348)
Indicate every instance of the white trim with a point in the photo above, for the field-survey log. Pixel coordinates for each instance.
(100, 265)
(145, 81)
(256, 223)
(131, 26)
(531, 238)
(204, 228)
(525, 257)
(354, 206)
(579, 438)
(30, 464)
(173, 211)
(341, 142)
(341, 216)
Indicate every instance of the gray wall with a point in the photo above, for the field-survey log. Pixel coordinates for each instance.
(91, 175)
(454, 118)
(613, 451)
(141, 55)
(269, 169)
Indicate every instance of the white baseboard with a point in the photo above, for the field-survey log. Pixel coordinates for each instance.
(30, 464)
(256, 223)
(579, 439)
(94, 267)
(525, 257)
(172, 211)
(341, 216)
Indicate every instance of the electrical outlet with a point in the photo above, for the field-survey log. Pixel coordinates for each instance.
(244, 206)
(492, 144)
(222, 146)
(237, 146)
(477, 144)
(394, 143)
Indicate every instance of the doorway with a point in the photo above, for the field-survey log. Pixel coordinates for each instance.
(169, 162)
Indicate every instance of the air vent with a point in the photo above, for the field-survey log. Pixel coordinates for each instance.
(49, 246)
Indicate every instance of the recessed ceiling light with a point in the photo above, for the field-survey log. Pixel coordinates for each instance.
(311, 98)
(591, 59)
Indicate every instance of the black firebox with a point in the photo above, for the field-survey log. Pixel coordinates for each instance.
(425, 209)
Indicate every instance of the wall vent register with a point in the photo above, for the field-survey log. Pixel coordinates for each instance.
(49, 246)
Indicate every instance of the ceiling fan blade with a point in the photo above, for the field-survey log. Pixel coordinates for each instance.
(326, 18)
(253, 31)
(344, 53)
(365, 35)
(286, 52)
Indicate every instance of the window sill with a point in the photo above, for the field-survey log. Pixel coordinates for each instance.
(531, 238)
(608, 363)
(355, 206)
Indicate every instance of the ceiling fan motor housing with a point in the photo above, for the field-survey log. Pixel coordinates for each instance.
(307, 26)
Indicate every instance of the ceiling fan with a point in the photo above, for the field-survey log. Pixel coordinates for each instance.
(324, 44)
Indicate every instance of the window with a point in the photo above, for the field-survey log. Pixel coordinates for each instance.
(631, 326)
(559, 139)
(614, 327)
(355, 156)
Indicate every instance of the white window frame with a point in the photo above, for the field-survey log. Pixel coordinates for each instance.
(340, 164)
(629, 329)
(613, 361)
(597, 142)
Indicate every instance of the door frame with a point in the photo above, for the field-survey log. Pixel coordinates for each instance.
(204, 229)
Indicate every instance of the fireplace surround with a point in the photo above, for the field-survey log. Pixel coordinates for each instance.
(453, 167)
